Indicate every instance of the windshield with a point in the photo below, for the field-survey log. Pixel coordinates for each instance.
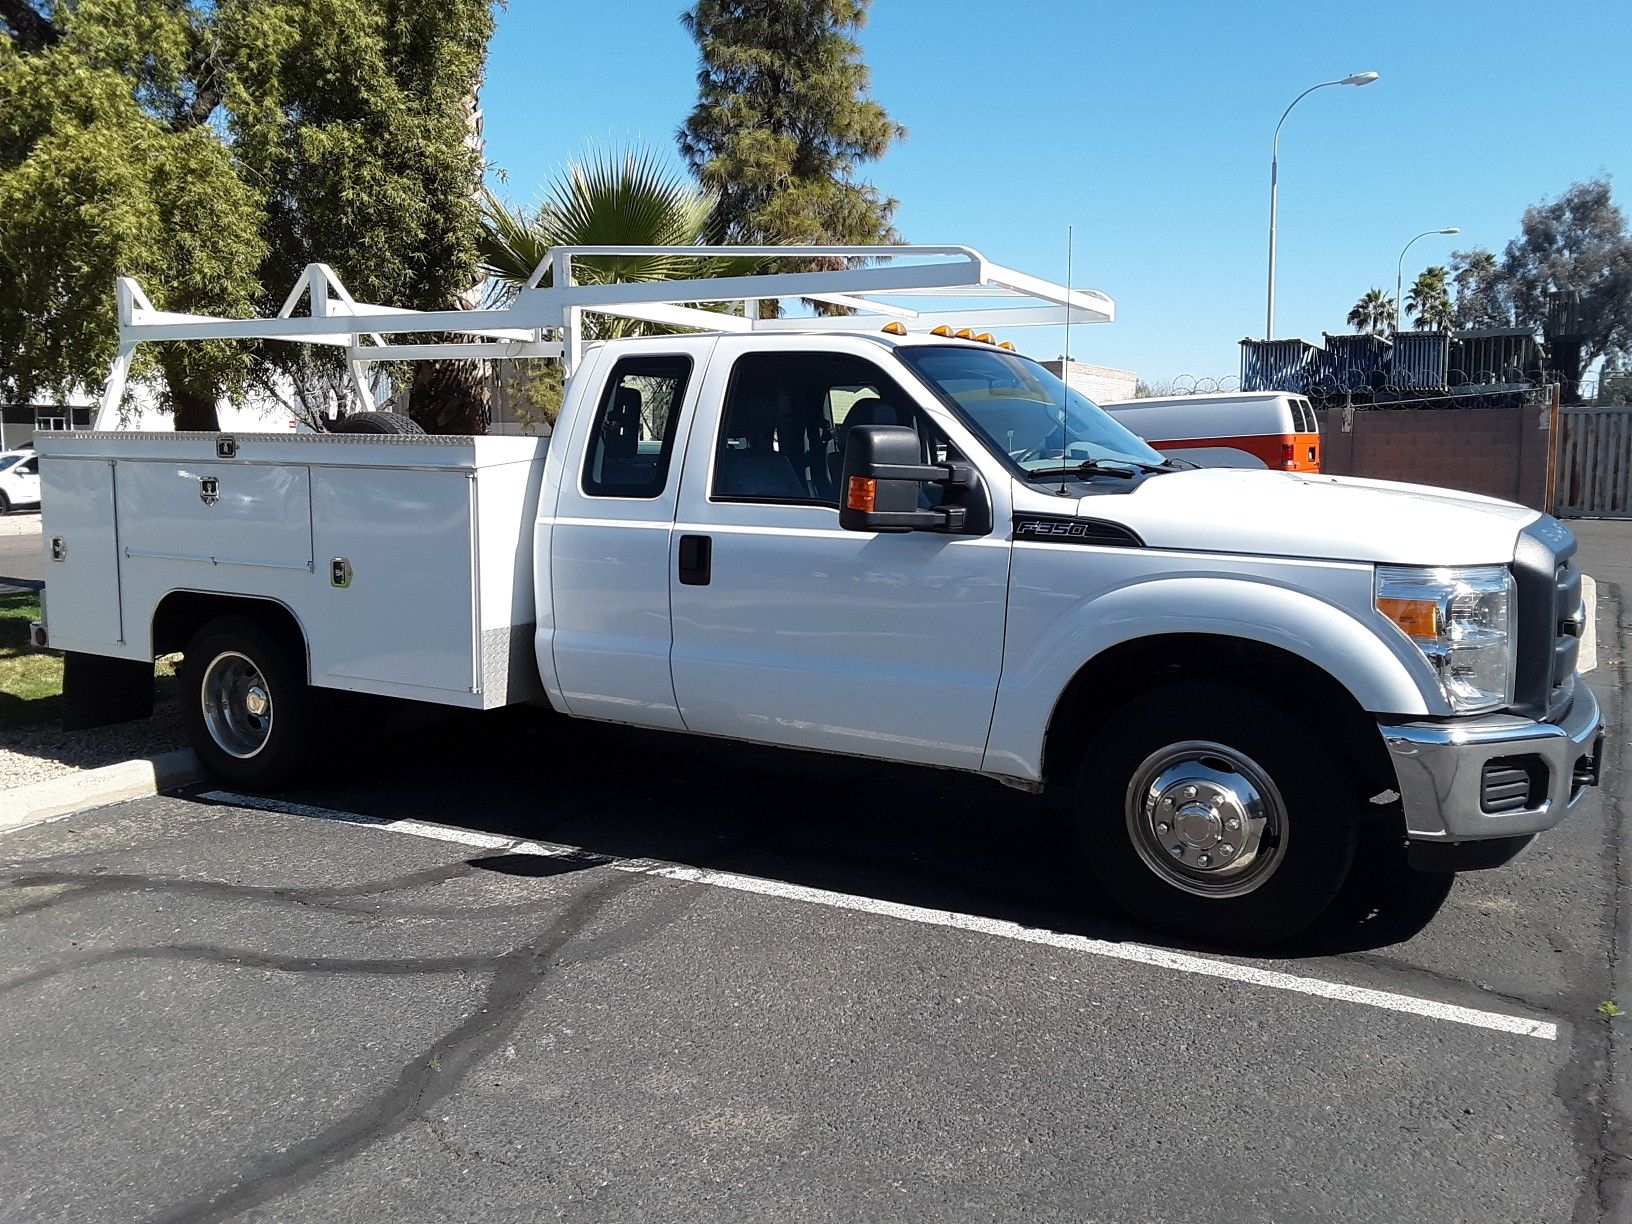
(1020, 407)
(9, 461)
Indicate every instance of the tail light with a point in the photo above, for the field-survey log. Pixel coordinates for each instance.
(1289, 455)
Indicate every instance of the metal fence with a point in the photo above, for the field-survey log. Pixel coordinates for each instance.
(1594, 463)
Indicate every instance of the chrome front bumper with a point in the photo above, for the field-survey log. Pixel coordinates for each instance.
(1441, 766)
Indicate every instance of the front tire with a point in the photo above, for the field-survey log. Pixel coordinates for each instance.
(1206, 810)
(249, 713)
(5, 504)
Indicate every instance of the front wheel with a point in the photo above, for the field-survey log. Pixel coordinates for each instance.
(249, 713)
(1206, 810)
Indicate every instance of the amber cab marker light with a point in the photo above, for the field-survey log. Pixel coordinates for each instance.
(986, 338)
(965, 333)
(863, 494)
(1007, 344)
(1418, 617)
(942, 330)
(896, 329)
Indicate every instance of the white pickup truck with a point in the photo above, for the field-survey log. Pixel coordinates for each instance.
(886, 541)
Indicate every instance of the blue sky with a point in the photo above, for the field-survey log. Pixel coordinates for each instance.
(1147, 127)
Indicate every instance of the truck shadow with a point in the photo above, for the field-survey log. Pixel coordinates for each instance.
(917, 836)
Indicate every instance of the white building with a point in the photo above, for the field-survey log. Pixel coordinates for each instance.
(1097, 382)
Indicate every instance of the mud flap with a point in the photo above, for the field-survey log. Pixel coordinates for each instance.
(97, 690)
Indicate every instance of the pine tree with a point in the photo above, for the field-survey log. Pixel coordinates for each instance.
(783, 119)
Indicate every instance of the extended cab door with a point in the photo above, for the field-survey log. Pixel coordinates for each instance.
(604, 611)
(789, 630)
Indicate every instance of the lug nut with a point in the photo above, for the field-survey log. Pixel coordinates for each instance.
(1189, 792)
(1232, 824)
(1205, 859)
(1226, 849)
(1164, 827)
(1178, 851)
(1168, 802)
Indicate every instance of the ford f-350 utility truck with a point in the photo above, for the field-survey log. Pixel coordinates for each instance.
(871, 534)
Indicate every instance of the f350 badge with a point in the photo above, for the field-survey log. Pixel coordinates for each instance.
(209, 490)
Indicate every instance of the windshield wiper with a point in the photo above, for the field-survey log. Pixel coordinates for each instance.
(1125, 468)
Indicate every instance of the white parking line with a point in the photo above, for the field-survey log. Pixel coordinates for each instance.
(1143, 954)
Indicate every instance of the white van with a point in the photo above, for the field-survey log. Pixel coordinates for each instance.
(1232, 429)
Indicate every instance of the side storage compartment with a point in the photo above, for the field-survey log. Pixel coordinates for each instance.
(507, 494)
(79, 535)
(396, 611)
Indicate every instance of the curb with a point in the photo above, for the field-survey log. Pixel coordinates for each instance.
(54, 798)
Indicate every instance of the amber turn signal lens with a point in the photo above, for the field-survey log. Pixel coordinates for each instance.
(965, 333)
(1007, 344)
(986, 338)
(942, 330)
(896, 329)
(863, 494)
(1418, 617)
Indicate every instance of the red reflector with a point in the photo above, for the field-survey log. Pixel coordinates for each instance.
(863, 494)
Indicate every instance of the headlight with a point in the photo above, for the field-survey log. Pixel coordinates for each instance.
(1462, 621)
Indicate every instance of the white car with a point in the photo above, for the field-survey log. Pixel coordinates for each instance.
(19, 480)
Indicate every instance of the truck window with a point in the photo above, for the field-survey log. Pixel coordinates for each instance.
(633, 433)
(786, 420)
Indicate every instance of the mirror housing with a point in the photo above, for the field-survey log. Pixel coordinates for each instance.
(882, 474)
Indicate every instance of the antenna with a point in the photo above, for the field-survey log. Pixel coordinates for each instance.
(1065, 361)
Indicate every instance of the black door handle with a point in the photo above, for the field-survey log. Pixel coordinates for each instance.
(696, 560)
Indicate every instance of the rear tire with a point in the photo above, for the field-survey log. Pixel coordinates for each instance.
(249, 713)
(377, 423)
(5, 504)
(1207, 811)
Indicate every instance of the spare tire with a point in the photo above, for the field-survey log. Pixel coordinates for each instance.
(376, 423)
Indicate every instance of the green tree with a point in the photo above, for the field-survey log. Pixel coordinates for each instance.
(211, 148)
(1429, 300)
(1577, 243)
(1373, 313)
(108, 166)
(1481, 299)
(358, 119)
(783, 119)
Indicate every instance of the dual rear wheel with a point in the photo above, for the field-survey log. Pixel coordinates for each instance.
(249, 713)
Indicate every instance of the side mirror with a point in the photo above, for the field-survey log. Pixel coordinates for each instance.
(882, 473)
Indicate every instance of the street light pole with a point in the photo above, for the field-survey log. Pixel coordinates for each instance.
(1399, 270)
(1357, 78)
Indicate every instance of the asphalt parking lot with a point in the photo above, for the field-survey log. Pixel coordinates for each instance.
(517, 969)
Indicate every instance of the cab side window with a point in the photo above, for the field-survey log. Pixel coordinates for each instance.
(632, 437)
(786, 420)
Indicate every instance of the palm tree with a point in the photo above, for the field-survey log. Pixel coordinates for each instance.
(1373, 313)
(1429, 302)
(608, 199)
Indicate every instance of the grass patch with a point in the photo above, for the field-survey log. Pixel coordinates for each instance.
(30, 679)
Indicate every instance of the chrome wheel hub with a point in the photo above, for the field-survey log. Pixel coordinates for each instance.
(1207, 819)
(237, 705)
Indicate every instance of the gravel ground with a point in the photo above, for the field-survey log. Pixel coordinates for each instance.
(34, 754)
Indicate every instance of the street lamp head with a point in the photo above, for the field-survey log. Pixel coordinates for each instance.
(1451, 229)
(1359, 78)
